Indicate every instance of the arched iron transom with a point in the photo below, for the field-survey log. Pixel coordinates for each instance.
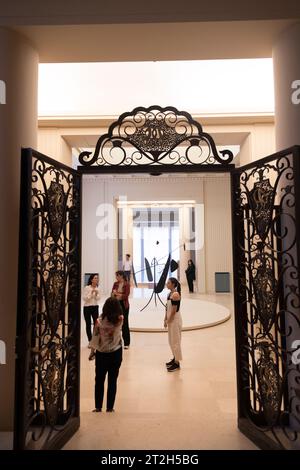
(155, 136)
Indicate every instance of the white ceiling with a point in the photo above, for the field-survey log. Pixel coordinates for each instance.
(56, 12)
(199, 87)
(93, 30)
(155, 41)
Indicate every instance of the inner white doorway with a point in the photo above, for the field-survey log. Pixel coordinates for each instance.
(156, 233)
(103, 250)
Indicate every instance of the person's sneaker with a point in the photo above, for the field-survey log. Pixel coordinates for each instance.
(126, 347)
(171, 362)
(97, 410)
(110, 410)
(173, 367)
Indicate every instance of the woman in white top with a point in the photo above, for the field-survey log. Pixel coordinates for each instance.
(173, 322)
(91, 297)
(127, 267)
(106, 344)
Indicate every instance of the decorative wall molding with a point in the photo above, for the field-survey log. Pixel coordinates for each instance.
(152, 180)
(106, 121)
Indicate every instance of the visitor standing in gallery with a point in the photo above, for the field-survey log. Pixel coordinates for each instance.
(106, 345)
(121, 292)
(173, 322)
(127, 267)
(190, 275)
(91, 297)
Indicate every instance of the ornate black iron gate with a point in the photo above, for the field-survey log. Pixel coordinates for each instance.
(48, 322)
(266, 254)
(266, 246)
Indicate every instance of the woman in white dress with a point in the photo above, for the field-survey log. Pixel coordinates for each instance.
(173, 322)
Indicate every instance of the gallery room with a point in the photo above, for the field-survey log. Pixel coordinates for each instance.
(151, 239)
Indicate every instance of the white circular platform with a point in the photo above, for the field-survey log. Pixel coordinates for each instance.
(195, 314)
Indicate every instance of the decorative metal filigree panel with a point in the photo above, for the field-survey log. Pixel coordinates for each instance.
(266, 207)
(155, 136)
(47, 368)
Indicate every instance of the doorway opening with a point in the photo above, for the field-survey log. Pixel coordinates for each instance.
(155, 235)
(160, 142)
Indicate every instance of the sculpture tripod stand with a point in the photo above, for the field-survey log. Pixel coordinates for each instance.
(152, 278)
(159, 286)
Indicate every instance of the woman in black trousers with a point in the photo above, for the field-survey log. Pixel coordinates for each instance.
(91, 297)
(106, 345)
(190, 275)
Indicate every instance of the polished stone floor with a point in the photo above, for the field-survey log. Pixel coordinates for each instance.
(194, 408)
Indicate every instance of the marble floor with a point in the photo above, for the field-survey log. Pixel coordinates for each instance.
(194, 408)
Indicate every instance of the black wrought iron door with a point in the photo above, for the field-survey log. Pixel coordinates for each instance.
(266, 246)
(48, 321)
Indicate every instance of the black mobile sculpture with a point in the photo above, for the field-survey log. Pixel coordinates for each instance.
(158, 287)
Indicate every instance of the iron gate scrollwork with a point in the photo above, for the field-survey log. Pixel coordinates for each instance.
(155, 137)
(266, 249)
(48, 323)
(266, 245)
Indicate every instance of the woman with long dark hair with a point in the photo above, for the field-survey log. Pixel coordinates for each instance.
(190, 275)
(106, 345)
(173, 322)
(91, 297)
(121, 292)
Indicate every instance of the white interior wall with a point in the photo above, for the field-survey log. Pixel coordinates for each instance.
(263, 140)
(52, 143)
(218, 239)
(101, 255)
